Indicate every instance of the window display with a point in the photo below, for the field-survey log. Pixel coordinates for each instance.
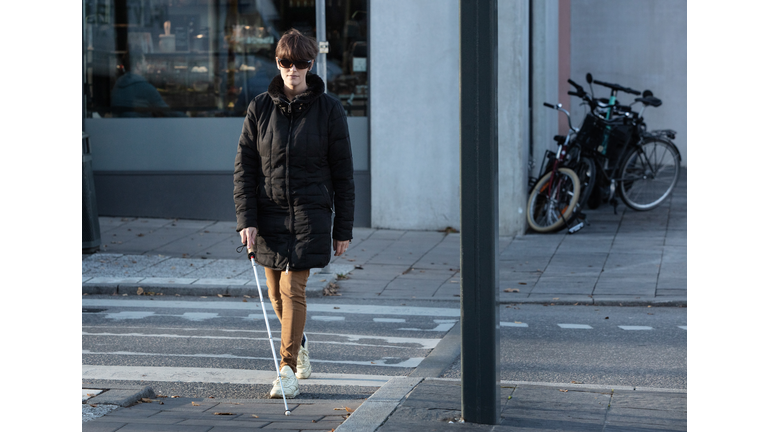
(209, 58)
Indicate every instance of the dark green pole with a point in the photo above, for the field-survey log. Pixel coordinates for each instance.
(479, 212)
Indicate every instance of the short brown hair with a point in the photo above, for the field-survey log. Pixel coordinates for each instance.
(295, 46)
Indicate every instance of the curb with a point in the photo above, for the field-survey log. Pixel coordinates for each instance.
(603, 301)
(121, 395)
(375, 410)
(316, 284)
(315, 290)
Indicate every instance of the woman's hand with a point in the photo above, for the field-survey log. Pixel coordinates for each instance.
(248, 236)
(340, 247)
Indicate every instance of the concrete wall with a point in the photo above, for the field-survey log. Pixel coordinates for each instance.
(513, 115)
(642, 45)
(414, 111)
(415, 114)
(545, 78)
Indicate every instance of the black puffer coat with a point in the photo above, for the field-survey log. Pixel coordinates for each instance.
(293, 167)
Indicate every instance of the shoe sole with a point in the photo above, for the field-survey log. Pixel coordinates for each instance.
(287, 396)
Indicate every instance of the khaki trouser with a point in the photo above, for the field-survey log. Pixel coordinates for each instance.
(286, 291)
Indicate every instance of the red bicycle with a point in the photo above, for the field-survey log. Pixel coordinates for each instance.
(554, 198)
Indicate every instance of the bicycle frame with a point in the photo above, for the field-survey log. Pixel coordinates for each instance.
(555, 182)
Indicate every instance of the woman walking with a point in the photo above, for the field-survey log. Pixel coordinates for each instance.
(293, 168)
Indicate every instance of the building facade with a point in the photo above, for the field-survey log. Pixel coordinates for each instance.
(167, 83)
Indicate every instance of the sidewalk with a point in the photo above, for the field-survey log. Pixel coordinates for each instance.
(434, 404)
(631, 258)
(415, 404)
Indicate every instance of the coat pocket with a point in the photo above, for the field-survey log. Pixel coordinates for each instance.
(327, 197)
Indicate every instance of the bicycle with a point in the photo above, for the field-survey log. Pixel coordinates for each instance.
(554, 197)
(643, 166)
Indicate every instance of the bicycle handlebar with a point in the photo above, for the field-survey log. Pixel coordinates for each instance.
(617, 87)
(578, 87)
(559, 107)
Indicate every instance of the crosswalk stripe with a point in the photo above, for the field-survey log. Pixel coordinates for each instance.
(442, 326)
(221, 376)
(575, 326)
(512, 324)
(129, 315)
(176, 336)
(411, 362)
(393, 341)
(635, 328)
(325, 308)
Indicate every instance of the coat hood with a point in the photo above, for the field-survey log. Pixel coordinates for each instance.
(315, 89)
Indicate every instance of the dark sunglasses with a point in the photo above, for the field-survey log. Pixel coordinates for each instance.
(300, 64)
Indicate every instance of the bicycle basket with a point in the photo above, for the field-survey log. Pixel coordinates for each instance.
(617, 142)
(590, 134)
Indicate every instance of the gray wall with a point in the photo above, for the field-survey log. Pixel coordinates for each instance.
(514, 131)
(639, 44)
(415, 114)
(182, 167)
(545, 79)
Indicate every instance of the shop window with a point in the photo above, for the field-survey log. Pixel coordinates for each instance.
(209, 58)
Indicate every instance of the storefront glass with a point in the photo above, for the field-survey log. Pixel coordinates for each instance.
(208, 58)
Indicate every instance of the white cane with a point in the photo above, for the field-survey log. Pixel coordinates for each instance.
(252, 257)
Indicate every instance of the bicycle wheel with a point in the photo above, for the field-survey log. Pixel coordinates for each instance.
(649, 173)
(549, 209)
(587, 172)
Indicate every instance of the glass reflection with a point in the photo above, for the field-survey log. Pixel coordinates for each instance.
(209, 58)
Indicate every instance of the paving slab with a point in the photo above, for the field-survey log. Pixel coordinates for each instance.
(616, 257)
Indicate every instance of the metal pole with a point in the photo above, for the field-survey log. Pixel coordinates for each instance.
(479, 212)
(322, 42)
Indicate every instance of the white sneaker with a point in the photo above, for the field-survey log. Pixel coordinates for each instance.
(290, 384)
(303, 368)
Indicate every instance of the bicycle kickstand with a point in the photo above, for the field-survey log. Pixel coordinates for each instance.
(578, 226)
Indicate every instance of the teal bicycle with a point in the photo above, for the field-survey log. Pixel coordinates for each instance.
(641, 166)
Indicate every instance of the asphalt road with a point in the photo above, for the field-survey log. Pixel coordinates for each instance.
(157, 340)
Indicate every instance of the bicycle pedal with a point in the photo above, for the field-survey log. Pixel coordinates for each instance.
(576, 227)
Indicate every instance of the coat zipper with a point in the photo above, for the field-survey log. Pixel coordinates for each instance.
(288, 183)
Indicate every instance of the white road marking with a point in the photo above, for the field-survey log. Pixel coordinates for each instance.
(389, 320)
(513, 324)
(199, 316)
(575, 326)
(223, 376)
(325, 308)
(411, 362)
(684, 327)
(129, 315)
(261, 316)
(327, 318)
(89, 393)
(442, 326)
(425, 343)
(635, 328)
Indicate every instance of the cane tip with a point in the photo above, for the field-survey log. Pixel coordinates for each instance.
(287, 413)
